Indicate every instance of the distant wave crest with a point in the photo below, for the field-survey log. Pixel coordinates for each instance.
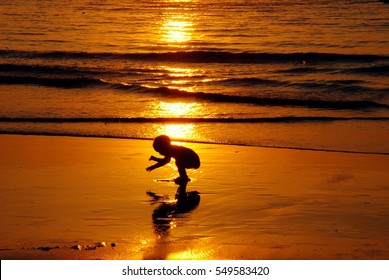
(76, 82)
(352, 93)
(51, 81)
(199, 56)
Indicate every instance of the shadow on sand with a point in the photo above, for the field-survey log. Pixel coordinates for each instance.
(164, 217)
(164, 214)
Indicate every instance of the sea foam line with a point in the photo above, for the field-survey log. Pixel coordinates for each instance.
(80, 82)
(96, 135)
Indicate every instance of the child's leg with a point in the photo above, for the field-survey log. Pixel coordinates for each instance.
(182, 173)
(182, 181)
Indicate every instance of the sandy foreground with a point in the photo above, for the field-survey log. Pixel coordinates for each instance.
(85, 198)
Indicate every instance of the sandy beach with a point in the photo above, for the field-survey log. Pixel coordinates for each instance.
(85, 198)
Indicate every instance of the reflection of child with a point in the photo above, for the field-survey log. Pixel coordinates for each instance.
(185, 158)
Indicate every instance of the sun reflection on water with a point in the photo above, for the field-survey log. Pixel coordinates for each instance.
(176, 31)
(177, 26)
(178, 131)
(186, 79)
(181, 129)
(179, 109)
(182, 72)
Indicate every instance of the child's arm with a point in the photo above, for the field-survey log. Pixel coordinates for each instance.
(160, 162)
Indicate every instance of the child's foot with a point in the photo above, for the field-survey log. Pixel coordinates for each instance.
(180, 180)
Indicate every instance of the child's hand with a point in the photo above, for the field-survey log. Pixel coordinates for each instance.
(150, 168)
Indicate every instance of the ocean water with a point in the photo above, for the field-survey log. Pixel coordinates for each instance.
(292, 74)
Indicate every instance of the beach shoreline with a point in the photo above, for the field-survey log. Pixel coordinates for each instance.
(85, 198)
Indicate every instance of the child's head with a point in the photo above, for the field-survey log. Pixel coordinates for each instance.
(162, 144)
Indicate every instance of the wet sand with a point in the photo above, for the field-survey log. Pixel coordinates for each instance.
(85, 198)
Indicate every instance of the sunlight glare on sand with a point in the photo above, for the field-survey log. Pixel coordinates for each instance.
(189, 255)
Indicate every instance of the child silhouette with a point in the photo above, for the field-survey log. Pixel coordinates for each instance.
(185, 158)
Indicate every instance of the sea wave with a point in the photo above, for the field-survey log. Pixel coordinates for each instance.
(67, 70)
(48, 69)
(164, 91)
(370, 70)
(176, 120)
(199, 56)
(75, 77)
(63, 82)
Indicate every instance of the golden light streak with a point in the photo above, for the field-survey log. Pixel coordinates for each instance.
(179, 109)
(176, 32)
